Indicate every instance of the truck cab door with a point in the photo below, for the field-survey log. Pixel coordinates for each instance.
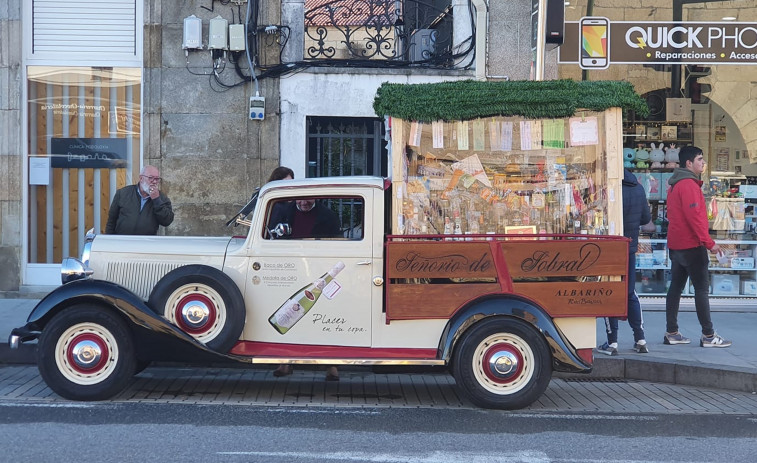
(311, 268)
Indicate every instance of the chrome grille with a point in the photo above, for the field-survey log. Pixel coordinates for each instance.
(139, 277)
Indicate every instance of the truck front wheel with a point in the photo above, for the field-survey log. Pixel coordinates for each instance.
(86, 353)
(502, 363)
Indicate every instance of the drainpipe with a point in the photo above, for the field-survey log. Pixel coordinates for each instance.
(481, 30)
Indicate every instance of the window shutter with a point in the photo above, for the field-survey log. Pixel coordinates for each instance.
(104, 29)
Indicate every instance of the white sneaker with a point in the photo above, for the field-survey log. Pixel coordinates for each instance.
(714, 341)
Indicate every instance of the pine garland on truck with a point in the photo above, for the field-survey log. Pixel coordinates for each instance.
(470, 99)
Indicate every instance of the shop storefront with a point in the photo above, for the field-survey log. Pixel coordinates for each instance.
(695, 63)
(83, 125)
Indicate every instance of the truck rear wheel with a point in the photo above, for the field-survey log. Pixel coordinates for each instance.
(203, 302)
(502, 363)
(86, 353)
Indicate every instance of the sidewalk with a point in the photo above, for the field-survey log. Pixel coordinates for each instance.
(733, 368)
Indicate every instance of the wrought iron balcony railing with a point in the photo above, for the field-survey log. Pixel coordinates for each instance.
(400, 32)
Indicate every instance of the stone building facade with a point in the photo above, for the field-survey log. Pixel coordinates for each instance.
(193, 122)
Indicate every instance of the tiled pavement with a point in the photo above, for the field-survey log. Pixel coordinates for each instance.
(366, 389)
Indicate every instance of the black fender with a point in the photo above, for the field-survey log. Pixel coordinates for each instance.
(157, 339)
(564, 357)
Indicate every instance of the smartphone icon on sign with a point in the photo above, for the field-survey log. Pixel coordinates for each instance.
(595, 43)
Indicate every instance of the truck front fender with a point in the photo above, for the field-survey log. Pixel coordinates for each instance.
(152, 330)
(564, 357)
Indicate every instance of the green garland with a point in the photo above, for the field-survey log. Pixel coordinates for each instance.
(470, 99)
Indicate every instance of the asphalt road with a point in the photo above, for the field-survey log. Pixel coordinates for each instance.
(231, 415)
(132, 431)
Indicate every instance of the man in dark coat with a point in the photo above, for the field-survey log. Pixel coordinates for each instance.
(636, 216)
(140, 209)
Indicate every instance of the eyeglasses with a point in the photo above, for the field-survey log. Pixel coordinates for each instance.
(150, 178)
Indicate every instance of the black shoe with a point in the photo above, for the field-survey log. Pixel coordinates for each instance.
(283, 370)
(641, 348)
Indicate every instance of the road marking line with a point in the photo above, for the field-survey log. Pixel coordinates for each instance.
(321, 411)
(56, 405)
(584, 417)
(526, 456)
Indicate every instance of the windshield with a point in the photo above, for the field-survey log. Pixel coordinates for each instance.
(245, 211)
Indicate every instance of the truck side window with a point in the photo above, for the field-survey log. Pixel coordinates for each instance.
(316, 218)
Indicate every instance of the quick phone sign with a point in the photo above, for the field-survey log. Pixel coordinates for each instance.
(595, 42)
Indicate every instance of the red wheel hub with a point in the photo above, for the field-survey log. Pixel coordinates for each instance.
(502, 363)
(195, 313)
(87, 353)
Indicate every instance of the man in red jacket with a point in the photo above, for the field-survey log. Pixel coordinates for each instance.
(688, 242)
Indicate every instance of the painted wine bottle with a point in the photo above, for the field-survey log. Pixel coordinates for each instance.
(292, 311)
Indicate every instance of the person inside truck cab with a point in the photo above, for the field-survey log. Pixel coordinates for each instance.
(307, 218)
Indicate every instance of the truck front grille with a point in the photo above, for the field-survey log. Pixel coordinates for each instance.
(139, 277)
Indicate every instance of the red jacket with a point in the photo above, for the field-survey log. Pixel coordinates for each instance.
(688, 226)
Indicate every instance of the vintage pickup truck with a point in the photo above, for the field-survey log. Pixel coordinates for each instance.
(502, 312)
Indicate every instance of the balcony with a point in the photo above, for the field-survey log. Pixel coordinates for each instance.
(383, 33)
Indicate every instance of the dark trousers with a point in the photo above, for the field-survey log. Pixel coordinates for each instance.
(693, 264)
(635, 318)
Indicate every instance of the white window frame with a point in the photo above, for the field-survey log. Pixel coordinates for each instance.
(47, 275)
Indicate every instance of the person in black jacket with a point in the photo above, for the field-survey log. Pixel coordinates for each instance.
(307, 219)
(140, 209)
(636, 217)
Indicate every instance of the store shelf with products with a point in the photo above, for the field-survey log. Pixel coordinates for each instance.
(652, 146)
(734, 275)
(656, 131)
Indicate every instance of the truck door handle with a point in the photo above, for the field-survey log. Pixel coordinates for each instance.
(364, 262)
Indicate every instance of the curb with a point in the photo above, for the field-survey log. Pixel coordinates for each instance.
(672, 372)
(25, 354)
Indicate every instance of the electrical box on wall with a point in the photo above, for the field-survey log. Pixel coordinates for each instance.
(257, 108)
(236, 37)
(217, 30)
(192, 33)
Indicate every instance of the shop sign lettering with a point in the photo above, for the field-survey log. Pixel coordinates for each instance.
(661, 42)
(545, 261)
(91, 153)
(450, 263)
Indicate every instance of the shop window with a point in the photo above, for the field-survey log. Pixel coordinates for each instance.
(84, 144)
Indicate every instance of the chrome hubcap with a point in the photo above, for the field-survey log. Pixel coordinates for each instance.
(86, 354)
(503, 364)
(198, 310)
(195, 314)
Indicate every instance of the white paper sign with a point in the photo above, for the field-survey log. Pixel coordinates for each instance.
(584, 131)
(462, 135)
(39, 170)
(525, 135)
(507, 136)
(437, 128)
(416, 129)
